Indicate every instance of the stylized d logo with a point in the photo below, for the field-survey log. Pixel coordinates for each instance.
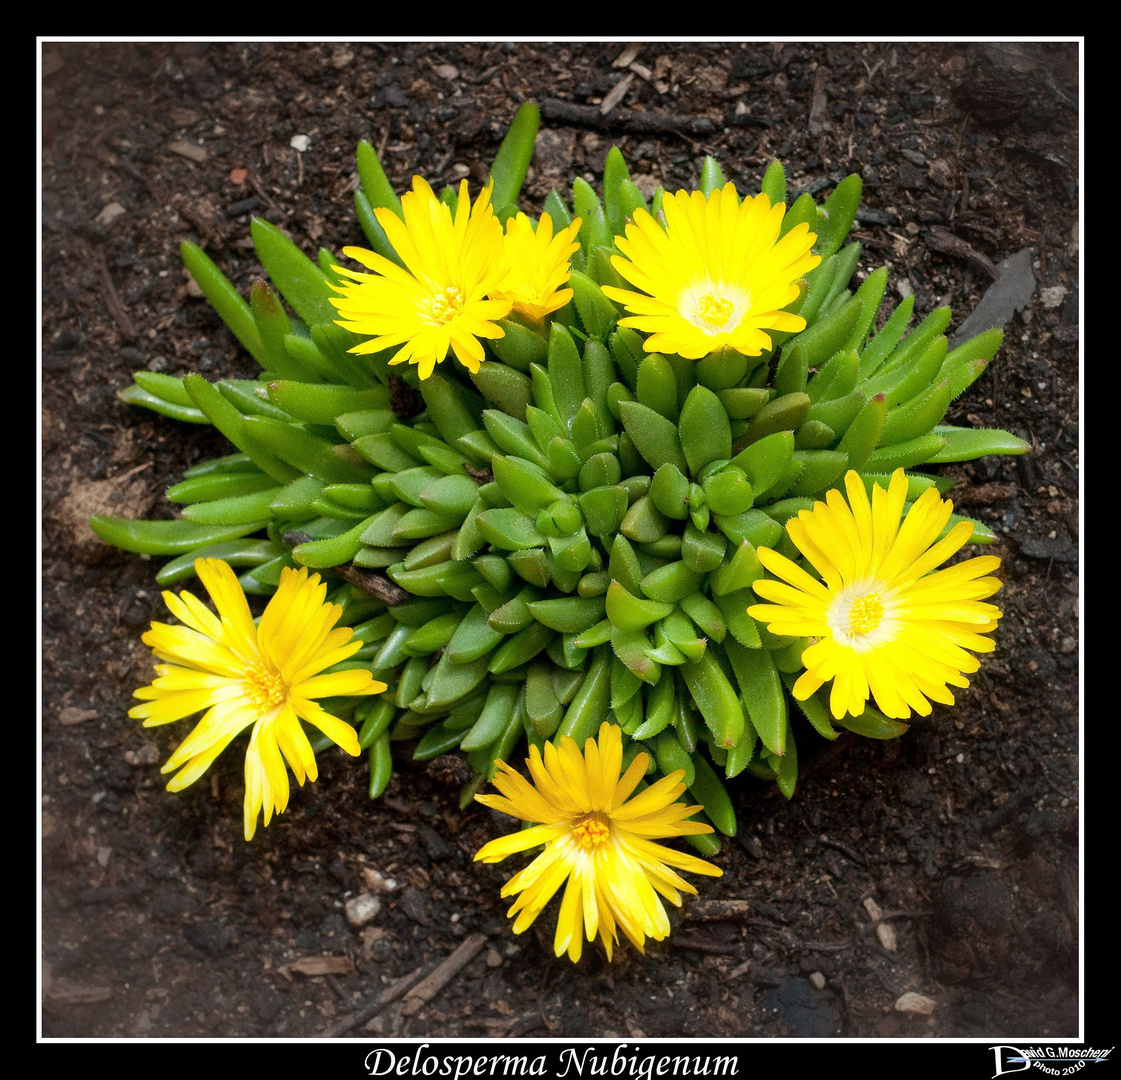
(1011, 1056)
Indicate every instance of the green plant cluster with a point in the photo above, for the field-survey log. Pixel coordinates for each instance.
(569, 535)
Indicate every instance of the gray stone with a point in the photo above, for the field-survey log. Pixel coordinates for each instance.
(1011, 292)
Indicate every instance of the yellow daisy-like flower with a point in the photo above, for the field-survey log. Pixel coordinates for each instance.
(243, 674)
(884, 623)
(538, 265)
(715, 276)
(596, 839)
(439, 300)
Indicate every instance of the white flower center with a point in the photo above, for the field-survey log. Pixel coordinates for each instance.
(714, 308)
(861, 616)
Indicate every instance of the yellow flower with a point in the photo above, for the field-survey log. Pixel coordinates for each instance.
(884, 624)
(265, 676)
(538, 265)
(439, 300)
(716, 276)
(596, 840)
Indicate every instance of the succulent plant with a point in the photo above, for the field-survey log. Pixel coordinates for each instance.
(569, 533)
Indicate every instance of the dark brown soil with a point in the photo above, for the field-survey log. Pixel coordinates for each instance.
(158, 920)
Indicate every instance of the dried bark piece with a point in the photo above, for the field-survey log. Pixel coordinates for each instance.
(319, 965)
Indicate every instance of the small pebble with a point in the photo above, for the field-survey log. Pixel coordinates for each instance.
(300, 143)
(146, 755)
(916, 1003)
(494, 959)
(361, 909)
(1051, 297)
(189, 150)
(818, 980)
(109, 213)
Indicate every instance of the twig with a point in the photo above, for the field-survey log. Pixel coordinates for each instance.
(369, 581)
(270, 202)
(720, 911)
(113, 301)
(844, 849)
(389, 995)
(337, 988)
(702, 945)
(948, 244)
(635, 121)
(375, 584)
(428, 988)
(827, 946)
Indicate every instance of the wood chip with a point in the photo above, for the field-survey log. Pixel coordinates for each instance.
(71, 715)
(884, 930)
(428, 988)
(61, 991)
(376, 881)
(618, 91)
(818, 101)
(320, 965)
(189, 150)
(886, 933)
(628, 55)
